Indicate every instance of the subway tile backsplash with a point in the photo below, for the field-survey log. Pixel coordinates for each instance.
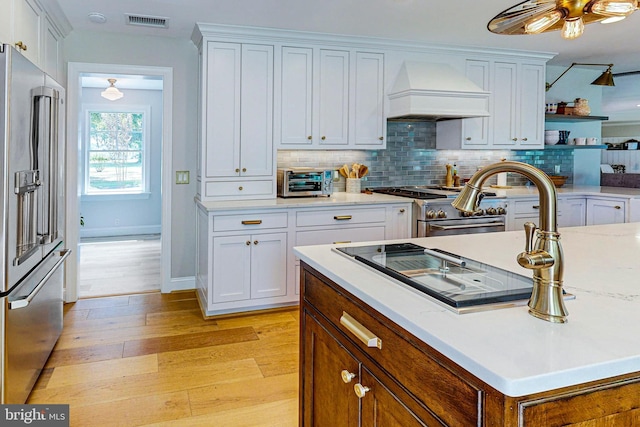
(411, 159)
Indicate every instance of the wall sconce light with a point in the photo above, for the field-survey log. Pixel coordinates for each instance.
(112, 93)
(605, 79)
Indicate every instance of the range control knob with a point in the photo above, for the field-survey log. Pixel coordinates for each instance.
(491, 211)
(466, 214)
(501, 211)
(479, 212)
(430, 214)
(441, 214)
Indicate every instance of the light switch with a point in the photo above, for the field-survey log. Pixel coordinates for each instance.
(182, 177)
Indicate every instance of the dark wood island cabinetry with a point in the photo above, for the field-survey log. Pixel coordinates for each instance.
(358, 368)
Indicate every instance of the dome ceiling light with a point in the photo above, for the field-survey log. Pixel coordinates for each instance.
(570, 16)
(112, 93)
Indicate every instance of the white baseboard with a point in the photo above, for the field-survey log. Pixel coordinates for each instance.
(182, 284)
(119, 231)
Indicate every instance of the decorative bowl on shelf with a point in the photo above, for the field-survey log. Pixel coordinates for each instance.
(558, 180)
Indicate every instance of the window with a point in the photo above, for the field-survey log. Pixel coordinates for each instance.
(116, 152)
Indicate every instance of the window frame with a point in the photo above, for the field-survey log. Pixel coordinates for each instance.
(145, 110)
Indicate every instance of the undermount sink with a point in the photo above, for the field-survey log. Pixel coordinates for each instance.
(459, 284)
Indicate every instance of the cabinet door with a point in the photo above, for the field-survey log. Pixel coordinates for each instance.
(268, 265)
(256, 111)
(368, 111)
(231, 268)
(573, 213)
(327, 399)
(28, 16)
(222, 83)
(605, 212)
(380, 408)
(52, 56)
(475, 131)
(6, 22)
(531, 105)
(296, 125)
(504, 104)
(333, 99)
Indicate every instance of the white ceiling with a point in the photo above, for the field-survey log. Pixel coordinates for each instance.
(459, 22)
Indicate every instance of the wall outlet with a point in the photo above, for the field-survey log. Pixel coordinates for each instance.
(182, 177)
(117, 221)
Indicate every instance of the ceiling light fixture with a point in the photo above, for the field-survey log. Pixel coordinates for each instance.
(112, 93)
(605, 79)
(570, 16)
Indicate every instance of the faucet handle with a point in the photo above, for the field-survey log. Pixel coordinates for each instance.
(529, 233)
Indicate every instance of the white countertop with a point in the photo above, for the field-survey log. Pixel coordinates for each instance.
(337, 199)
(346, 199)
(509, 349)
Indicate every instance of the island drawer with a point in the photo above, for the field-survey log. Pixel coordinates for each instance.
(401, 355)
(343, 216)
(254, 221)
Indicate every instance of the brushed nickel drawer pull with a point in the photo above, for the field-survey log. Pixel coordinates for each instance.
(362, 333)
(342, 217)
(342, 242)
(617, 207)
(536, 206)
(252, 222)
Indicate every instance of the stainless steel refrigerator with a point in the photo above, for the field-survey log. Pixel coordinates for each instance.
(31, 221)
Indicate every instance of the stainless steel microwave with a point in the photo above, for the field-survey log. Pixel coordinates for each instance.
(305, 182)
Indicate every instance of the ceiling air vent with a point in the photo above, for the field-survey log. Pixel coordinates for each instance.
(147, 21)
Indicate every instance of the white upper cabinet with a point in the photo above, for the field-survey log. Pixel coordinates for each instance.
(331, 99)
(26, 25)
(369, 124)
(27, 32)
(296, 105)
(518, 105)
(237, 121)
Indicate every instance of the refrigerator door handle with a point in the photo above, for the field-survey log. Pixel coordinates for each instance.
(24, 302)
(46, 108)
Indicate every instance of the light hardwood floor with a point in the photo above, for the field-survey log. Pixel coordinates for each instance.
(152, 360)
(119, 267)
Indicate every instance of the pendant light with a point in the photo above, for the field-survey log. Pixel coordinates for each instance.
(112, 93)
(570, 16)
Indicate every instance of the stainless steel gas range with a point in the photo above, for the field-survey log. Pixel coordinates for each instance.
(433, 214)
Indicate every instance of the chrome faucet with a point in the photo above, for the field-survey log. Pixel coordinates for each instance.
(545, 257)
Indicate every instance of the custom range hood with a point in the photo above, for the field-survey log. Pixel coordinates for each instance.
(431, 91)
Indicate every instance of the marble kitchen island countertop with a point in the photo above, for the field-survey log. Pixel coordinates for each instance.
(507, 348)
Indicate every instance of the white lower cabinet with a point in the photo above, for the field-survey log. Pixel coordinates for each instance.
(606, 210)
(245, 257)
(574, 212)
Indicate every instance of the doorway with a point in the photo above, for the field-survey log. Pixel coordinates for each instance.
(117, 220)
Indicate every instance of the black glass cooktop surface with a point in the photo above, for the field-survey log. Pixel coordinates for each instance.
(460, 284)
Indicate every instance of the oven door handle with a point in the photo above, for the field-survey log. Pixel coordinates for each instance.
(462, 227)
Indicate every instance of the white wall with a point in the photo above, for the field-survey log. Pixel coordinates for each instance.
(182, 56)
(126, 215)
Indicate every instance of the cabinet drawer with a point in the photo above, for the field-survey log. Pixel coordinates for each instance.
(238, 188)
(249, 222)
(402, 356)
(526, 207)
(342, 235)
(342, 216)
